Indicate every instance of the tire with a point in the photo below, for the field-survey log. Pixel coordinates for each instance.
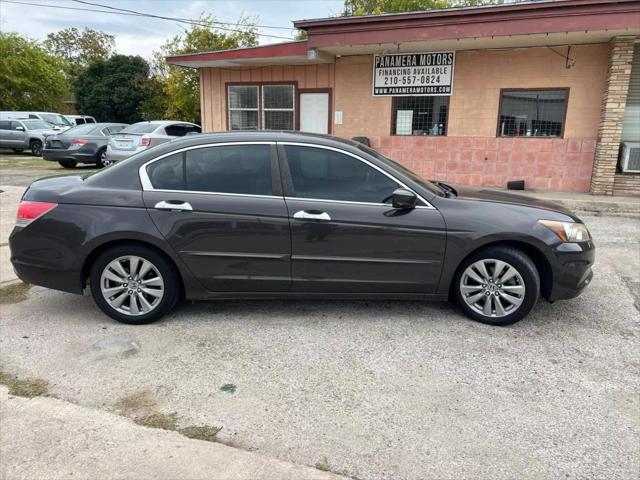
(118, 303)
(36, 148)
(67, 163)
(18, 150)
(101, 159)
(511, 295)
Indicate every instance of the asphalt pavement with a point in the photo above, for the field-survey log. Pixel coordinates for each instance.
(370, 390)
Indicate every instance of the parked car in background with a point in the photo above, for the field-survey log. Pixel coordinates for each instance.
(80, 119)
(279, 214)
(82, 144)
(25, 134)
(142, 135)
(55, 120)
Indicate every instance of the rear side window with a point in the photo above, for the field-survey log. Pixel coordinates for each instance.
(4, 125)
(242, 169)
(90, 120)
(329, 175)
(168, 173)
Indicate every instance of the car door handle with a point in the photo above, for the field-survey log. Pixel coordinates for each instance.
(316, 215)
(174, 205)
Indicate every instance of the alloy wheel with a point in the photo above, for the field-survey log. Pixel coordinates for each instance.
(132, 285)
(104, 161)
(36, 148)
(492, 288)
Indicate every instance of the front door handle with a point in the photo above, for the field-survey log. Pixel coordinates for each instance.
(312, 215)
(174, 205)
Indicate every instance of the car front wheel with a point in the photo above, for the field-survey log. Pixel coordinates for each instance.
(36, 148)
(497, 286)
(134, 284)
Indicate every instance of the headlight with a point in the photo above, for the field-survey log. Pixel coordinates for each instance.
(568, 231)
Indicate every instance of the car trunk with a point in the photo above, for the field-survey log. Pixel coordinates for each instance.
(59, 142)
(125, 141)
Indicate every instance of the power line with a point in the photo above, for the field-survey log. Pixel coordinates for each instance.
(173, 19)
(140, 14)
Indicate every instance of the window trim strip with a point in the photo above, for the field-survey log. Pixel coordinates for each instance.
(148, 187)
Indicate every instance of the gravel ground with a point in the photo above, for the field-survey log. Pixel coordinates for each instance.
(373, 390)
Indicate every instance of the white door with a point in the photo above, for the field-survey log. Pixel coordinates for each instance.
(314, 112)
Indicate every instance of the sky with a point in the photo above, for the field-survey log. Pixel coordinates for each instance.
(142, 35)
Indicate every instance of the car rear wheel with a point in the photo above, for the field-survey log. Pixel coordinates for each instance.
(134, 284)
(67, 163)
(36, 148)
(102, 160)
(498, 286)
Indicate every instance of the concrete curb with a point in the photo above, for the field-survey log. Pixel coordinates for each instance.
(45, 437)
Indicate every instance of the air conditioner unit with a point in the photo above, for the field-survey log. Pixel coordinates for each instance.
(630, 160)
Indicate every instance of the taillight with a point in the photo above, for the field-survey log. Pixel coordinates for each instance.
(30, 211)
(79, 141)
(145, 141)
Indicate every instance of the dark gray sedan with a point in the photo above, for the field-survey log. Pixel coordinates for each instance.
(82, 144)
(276, 214)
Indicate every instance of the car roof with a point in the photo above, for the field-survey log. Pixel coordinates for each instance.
(162, 122)
(263, 136)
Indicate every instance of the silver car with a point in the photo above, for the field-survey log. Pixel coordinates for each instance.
(25, 134)
(140, 136)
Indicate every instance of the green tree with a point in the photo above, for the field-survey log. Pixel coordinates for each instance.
(372, 7)
(115, 89)
(80, 48)
(30, 78)
(182, 85)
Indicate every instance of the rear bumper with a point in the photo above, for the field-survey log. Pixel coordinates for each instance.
(117, 155)
(57, 155)
(573, 269)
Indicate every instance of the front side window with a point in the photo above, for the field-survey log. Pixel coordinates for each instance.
(33, 124)
(80, 121)
(243, 169)
(261, 107)
(329, 175)
(532, 113)
(420, 115)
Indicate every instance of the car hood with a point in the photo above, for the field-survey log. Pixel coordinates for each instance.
(499, 196)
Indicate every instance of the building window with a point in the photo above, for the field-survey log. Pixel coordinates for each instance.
(532, 113)
(277, 110)
(243, 107)
(255, 107)
(419, 115)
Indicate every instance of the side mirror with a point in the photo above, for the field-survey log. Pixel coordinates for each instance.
(20, 128)
(404, 199)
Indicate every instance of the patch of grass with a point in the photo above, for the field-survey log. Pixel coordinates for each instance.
(323, 465)
(14, 293)
(25, 387)
(158, 420)
(203, 432)
(136, 402)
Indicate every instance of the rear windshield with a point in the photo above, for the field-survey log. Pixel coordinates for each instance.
(81, 129)
(142, 127)
(36, 124)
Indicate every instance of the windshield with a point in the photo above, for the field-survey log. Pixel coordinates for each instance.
(55, 119)
(36, 125)
(81, 129)
(433, 188)
(142, 127)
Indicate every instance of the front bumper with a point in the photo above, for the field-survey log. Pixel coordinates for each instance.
(572, 271)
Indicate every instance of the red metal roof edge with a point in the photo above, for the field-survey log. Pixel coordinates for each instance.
(285, 49)
(452, 13)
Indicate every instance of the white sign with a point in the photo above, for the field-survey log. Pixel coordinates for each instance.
(411, 74)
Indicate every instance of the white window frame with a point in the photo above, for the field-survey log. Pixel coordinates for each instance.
(292, 109)
(230, 109)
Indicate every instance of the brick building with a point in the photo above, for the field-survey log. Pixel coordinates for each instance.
(548, 92)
